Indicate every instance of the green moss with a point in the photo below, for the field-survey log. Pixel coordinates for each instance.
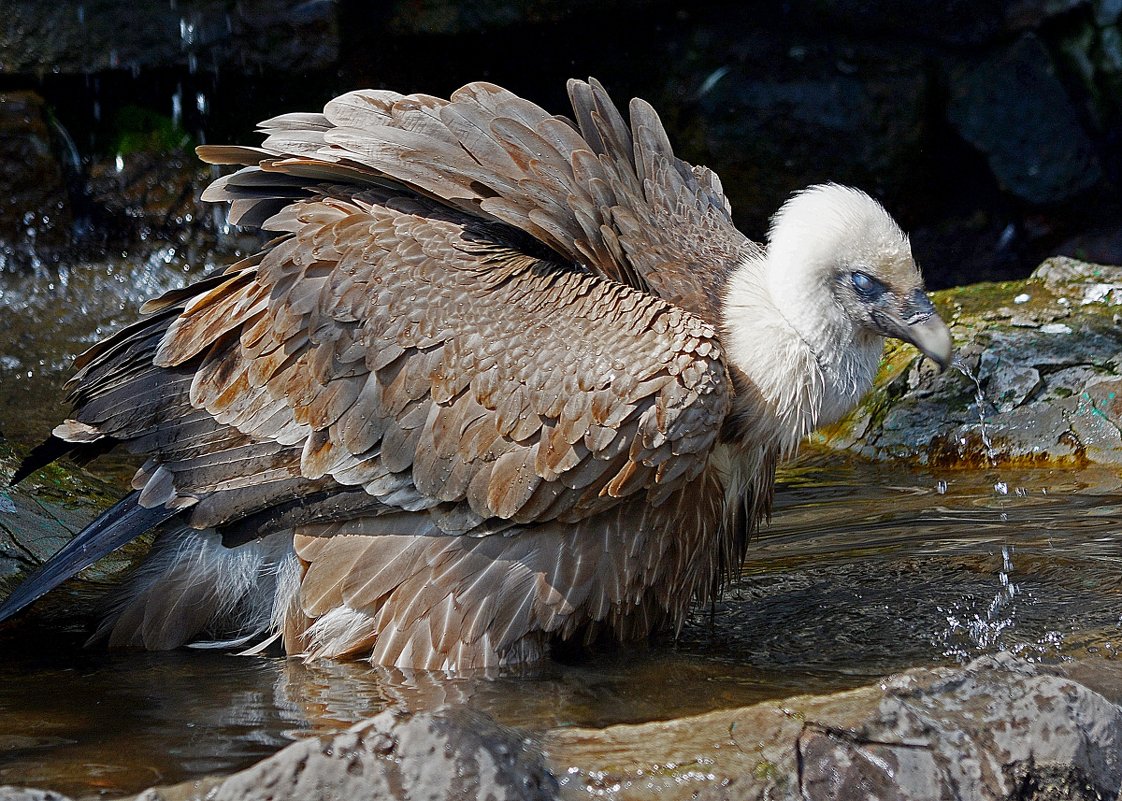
(138, 130)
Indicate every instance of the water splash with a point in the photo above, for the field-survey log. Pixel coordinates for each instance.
(980, 405)
(177, 106)
(968, 634)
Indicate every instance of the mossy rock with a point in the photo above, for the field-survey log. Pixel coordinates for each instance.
(39, 516)
(1039, 379)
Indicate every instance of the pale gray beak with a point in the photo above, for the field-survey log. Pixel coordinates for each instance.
(933, 339)
(917, 322)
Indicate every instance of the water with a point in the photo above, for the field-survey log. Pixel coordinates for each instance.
(980, 405)
(865, 570)
(52, 314)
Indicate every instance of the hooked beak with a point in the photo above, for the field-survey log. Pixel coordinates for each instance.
(918, 323)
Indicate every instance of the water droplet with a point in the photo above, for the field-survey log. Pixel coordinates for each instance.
(177, 106)
(980, 404)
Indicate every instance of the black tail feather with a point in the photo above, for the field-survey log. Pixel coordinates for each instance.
(124, 521)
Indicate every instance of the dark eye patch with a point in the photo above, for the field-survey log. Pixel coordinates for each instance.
(867, 287)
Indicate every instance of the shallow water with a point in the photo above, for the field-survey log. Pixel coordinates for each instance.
(52, 314)
(864, 570)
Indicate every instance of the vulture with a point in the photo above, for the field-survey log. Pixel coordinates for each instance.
(501, 379)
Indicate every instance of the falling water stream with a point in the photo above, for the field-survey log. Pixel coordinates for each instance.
(865, 569)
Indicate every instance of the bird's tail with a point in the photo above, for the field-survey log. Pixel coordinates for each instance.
(124, 521)
(193, 590)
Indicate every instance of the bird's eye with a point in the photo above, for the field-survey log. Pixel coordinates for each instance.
(868, 288)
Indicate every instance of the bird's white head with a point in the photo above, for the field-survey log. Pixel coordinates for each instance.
(837, 277)
(838, 265)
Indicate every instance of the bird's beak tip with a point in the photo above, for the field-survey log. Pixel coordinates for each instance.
(933, 339)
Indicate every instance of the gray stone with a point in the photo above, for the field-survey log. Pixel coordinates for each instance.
(448, 754)
(998, 728)
(9, 793)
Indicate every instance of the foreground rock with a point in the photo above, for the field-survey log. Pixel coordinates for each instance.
(450, 754)
(1044, 358)
(998, 728)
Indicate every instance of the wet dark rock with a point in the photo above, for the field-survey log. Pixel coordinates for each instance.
(448, 754)
(998, 728)
(1046, 355)
(957, 22)
(862, 129)
(89, 37)
(1014, 108)
(35, 219)
(149, 199)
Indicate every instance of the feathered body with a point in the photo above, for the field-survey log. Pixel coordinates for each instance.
(502, 377)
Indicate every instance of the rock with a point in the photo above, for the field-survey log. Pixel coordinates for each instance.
(1047, 356)
(774, 135)
(79, 39)
(1013, 108)
(35, 218)
(998, 728)
(453, 753)
(149, 199)
(9, 793)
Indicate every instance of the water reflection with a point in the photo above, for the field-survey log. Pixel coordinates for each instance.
(865, 570)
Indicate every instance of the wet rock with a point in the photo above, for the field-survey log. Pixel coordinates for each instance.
(998, 728)
(149, 199)
(773, 136)
(1046, 354)
(8, 793)
(35, 215)
(83, 38)
(1014, 108)
(957, 22)
(454, 753)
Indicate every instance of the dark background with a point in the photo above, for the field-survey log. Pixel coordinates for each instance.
(991, 130)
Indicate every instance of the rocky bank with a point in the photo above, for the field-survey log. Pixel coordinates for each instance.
(998, 728)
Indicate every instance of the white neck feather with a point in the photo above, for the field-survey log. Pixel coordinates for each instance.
(808, 361)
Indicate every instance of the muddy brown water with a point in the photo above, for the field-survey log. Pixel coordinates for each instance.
(865, 569)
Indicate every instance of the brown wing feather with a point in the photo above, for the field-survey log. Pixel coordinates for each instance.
(504, 372)
(601, 192)
(435, 602)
